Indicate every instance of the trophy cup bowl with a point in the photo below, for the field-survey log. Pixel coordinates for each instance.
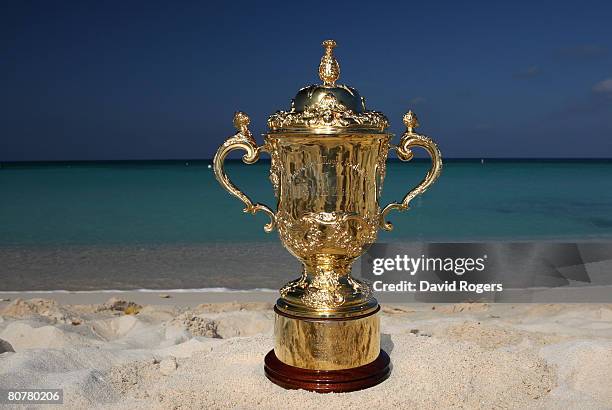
(328, 158)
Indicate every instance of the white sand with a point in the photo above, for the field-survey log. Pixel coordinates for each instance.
(211, 356)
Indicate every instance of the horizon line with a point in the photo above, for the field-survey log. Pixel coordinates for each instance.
(187, 160)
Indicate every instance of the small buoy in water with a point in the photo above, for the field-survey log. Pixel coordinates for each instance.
(209, 166)
(482, 161)
(186, 164)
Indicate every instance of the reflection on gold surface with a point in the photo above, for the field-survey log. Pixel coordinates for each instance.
(327, 211)
(327, 345)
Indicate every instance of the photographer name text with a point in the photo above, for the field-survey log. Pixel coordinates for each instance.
(426, 286)
(411, 266)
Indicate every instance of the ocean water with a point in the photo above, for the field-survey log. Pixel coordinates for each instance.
(181, 202)
(168, 224)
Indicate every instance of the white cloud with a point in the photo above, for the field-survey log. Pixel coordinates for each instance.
(603, 87)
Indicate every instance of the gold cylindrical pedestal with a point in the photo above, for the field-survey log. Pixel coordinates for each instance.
(327, 354)
(326, 343)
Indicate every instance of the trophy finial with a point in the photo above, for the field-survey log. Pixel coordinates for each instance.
(329, 70)
(241, 121)
(411, 121)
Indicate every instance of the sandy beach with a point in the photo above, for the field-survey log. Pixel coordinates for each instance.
(155, 351)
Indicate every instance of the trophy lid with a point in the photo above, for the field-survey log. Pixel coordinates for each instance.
(328, 108)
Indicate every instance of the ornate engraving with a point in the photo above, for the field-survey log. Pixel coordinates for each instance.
(323, 288)
(292, 286)
(275, 166)
(313, 237)
(318, 232)
(328, 112)
(363, 287)
(381, 167)
(323, 292)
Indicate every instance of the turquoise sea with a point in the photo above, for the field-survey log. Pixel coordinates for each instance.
(181, 202)
(82, 225)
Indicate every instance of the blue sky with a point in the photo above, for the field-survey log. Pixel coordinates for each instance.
(161, 80)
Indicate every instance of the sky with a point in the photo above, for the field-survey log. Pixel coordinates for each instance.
(161, 80)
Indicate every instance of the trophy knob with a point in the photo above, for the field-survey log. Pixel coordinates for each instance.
(411, 121)
(241, 121)
(329, 70)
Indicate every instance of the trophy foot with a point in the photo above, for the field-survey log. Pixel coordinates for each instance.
(327, 381)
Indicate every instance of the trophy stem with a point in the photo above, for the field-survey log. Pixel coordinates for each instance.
(326, 289)
(328, 266)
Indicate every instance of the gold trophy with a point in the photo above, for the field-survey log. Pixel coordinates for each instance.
(328, 156)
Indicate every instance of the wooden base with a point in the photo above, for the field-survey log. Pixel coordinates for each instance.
(327, 381)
